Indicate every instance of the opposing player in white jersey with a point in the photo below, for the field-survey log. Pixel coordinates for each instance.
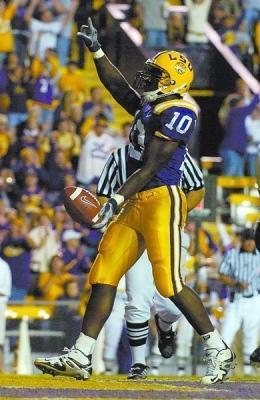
(142, 296)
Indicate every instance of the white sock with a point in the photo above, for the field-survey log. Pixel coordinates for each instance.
(213, 340)
(164, 325)
(138, 354)
(85, 343)
(137, 336)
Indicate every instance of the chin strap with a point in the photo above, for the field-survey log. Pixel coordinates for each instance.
(154, 95)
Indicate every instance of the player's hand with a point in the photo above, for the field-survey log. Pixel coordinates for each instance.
(105, 214)
(88, 33)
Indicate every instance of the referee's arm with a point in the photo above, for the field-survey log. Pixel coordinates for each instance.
(225, 273)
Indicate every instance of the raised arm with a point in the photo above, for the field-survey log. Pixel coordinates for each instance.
(109, 75)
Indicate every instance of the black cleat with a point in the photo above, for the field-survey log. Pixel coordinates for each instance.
(255, 357)
(167, 340)
(138, 371)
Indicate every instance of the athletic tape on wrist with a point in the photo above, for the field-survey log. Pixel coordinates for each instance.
(118, 198)
(98, 54)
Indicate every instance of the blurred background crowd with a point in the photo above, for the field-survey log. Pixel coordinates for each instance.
(58, 127)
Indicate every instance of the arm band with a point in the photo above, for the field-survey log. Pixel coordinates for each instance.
(98, 54)
(118, 198)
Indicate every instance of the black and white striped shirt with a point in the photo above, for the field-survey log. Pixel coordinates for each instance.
(114, 173)
(243, 267)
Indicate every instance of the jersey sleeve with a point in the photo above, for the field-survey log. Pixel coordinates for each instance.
(176, 122)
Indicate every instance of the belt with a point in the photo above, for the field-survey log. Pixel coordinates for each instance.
(237, 295)
(248, 296)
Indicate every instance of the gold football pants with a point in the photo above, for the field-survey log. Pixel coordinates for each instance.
(152, 219)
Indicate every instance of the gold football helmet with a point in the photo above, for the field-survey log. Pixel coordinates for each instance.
(168, 72)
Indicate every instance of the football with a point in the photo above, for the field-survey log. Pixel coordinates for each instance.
(81, 205)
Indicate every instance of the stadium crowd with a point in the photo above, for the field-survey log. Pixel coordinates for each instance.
(55, 132)
(236, 21)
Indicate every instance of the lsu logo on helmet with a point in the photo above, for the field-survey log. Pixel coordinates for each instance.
(168, 72)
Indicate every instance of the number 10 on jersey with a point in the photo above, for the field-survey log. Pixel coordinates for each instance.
(180, 123)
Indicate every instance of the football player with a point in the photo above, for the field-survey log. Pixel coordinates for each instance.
(142, 297)
(150, 206)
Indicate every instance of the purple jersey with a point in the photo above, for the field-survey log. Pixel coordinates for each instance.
(43, 90)
(171, 120)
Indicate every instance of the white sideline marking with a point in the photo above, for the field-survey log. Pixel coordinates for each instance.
(76, 193)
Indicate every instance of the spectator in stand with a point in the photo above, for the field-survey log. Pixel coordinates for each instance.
(50, 61)
(32, 195)
(72, 80)
(66, 139)
(20, 31)
(231, 7)
(217, 16)
(5, 291)
(60, 220)
(7, 12)
(42, 94)
(57, 167)
(5, 138)
(253, 134)
(251, 13)
(46, 239)
(82, 13)
(4, 220)
(17, 90)
(29, 132)
(198, 11)
(9, 192)
(52, 283)
(241, 91)
(44, 32)
(95, 150)
(122, 138)
(73, 254)
(77, 116)
(236, 37)
(96, 105)
(176, 29)
(233, 146)
(154, 15)
(63, 8)
(28, 160)
(16, 251)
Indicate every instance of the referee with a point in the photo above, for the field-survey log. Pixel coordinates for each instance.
(240, 270)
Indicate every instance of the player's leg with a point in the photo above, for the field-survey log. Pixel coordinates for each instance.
(113, 330)
(184, 342)
(166, 313)
(167, 214)
(140, 290)
(115, 257)
(231, 322)
(251, 324)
